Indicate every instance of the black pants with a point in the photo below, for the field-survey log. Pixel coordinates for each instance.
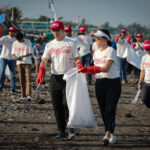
(58, 94)
(146, 94)
(108, 92)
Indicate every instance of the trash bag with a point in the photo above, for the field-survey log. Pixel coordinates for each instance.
(7, 72)
(80, 109)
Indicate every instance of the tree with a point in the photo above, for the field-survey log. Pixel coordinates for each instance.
(17, 13)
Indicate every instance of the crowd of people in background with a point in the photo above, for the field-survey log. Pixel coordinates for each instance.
(94, 54)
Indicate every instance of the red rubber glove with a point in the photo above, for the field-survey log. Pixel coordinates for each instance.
(40, 75)
(118, 36)
(79, 64)
(90, 70)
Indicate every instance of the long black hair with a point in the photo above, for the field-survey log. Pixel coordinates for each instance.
(109, 43)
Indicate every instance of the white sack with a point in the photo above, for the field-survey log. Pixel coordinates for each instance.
(131, 56)
(80, 109)
(7, 72)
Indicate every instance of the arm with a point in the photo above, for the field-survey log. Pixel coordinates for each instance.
(142, 74)
(118, 36)
(107, 66)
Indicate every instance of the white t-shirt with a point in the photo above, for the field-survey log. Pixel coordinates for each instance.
(62, 55)
(7, 42)
(145, 65)
(75, 39)
(100, 58)
(22, 49)
(138, 48)
(121, 45)
(85, 43)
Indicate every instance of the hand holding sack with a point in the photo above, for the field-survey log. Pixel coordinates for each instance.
(79, 64)
(40, 75)
(90, 70)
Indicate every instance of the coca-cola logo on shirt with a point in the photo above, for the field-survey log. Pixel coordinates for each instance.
(100, 60)
(147, 64)
(19, 49)
(64, 49)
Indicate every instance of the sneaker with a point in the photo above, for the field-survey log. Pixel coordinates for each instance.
(1, 89)
(106, 140)
(113, 140)
(29, 98)
(23, 99)
(71, 133)
(13, 91)
(60, 136)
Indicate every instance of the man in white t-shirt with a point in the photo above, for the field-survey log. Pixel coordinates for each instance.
(6, 59)
(63, 55)
(121, 41)
(22, 53)
(85, 51)
(145, 75)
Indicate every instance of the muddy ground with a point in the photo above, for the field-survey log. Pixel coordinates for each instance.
(32, 125)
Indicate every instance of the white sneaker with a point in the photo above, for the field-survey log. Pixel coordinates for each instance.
(23, 98)
(106, 140)
(29, 98)
(113, 140)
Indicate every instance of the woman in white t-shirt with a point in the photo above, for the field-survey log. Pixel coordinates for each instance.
(108, 85)
(145, 75)
(22, 53)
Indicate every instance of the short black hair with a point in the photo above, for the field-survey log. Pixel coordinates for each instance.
(19, 36)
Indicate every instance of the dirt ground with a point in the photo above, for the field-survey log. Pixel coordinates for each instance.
(32, 125)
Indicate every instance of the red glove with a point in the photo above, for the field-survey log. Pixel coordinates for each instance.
(118, 36)
(40, 75)
(79, 63)
(90, 70)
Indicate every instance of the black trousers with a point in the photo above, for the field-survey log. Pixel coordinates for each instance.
(146, 94)
(108, 93)
(58, 95)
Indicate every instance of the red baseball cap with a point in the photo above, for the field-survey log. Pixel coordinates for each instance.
(57, 25)
(82, 28)
(68, 28)
(123, 30)
(139, 35)
(147, 45)
(12, 29)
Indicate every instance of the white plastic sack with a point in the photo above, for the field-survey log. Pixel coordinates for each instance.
(7, 72)
(80, 109)
(131, 56)
(136, 97)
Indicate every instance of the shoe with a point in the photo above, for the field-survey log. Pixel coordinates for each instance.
(13, 91)
(29, 98)
(60, 136)
(106, 140)
(1, 89)
(23, 99)
(89, 83)
(71, 133)
(113, 140)
(43, 82)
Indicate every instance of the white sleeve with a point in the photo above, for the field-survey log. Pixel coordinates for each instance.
(142, 64)
(90, 40)
(13, 49)
(111, 55)
(30, 47)
(75, 50)
(46, 54)
(2, 40)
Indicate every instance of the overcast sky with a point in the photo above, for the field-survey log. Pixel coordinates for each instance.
(95, 12)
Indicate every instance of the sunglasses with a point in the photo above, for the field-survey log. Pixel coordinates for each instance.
(147, 49)
(55, 30)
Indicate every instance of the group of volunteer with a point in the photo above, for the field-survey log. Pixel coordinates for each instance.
(67, 52)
